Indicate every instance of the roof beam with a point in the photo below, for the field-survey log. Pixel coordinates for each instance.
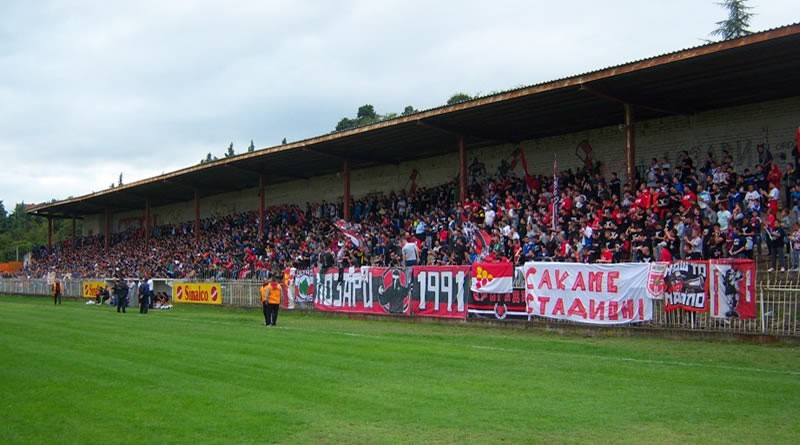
(199, 186)
(460, 131)
(352, 157)
(281, 174)
(593, 91)
(55, 215)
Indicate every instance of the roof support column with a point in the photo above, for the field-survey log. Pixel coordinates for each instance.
(196, 215)
(462, 170)
(147, 223)
(74, 237)
(346, 200)
(107, 241)
(260, 206)
(630, 147)
(49, 232)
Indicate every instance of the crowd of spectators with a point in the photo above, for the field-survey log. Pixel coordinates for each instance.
(685, 208)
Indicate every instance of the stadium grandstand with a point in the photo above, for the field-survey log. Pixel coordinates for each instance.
(690, 154)
(678, 172)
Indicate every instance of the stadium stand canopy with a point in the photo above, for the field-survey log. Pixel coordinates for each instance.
(756, 68)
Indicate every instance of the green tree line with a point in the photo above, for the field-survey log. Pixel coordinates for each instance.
(21, 232)
(367, 115)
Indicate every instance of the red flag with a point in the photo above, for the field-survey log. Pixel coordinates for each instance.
(492, 278)
(519, 154)
(732, 292)
(514, 159)
(482, 241)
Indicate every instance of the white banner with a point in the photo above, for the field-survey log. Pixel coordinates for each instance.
(589, 293)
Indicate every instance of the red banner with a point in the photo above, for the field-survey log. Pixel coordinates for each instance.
(732, 292)
(440, 291)
(370, 290)
(686, 286)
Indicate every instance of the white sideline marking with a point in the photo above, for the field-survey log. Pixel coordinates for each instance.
(647, 361)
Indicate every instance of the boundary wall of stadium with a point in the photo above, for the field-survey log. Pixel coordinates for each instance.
(777, 305)
(736, 129)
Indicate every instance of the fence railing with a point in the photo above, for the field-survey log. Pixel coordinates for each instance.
(778, 306)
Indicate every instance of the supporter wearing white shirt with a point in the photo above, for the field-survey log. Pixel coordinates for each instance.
(587, 234)
(505, 230)
(723, 217)
(489, 215)
(752, 198)
(410, 252)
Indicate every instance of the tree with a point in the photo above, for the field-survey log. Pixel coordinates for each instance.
(737, 23)
(120, 178)
(346, 123)
(366, 113)
(230, 151)
(409, 110)
(3, 215)
(283, 142)
(21, 232)
(458, 97)
(252, 147)
(209, 158)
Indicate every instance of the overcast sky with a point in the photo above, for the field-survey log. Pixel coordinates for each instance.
(92, 89)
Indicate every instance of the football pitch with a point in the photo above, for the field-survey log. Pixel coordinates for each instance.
(78, 373)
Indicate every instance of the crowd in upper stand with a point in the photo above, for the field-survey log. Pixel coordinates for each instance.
(684, 208)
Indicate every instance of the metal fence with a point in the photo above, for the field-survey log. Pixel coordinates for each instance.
(778, 306)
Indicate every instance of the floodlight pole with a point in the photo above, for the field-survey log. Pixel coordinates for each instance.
(462, 170)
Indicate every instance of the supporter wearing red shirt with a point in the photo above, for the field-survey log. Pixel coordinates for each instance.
(688, 199)
(566, 204)
(511, 203)
(606, 256)
(642, 198)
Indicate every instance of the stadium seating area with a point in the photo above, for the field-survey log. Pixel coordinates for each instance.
(682, 209)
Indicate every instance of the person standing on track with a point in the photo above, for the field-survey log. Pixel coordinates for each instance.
(271, 292)
(121, 294)
(57, 291)
(264, 298)
(144, 297)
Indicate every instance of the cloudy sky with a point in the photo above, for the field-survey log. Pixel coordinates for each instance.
(92, 89)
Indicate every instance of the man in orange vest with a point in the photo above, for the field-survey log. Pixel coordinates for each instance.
(57, 291)
(271, 300)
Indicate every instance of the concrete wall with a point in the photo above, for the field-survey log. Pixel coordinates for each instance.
(737, 129)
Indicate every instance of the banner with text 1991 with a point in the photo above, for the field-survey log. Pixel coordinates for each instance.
(440, 291)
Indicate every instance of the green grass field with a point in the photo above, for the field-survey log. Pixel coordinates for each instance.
(85, 374)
